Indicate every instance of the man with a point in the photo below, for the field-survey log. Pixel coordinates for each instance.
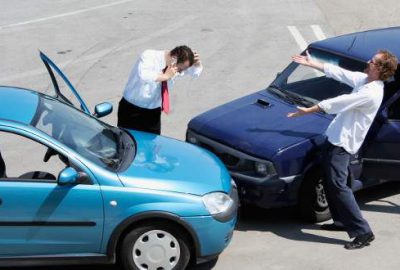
(146, 93)
(355, 113)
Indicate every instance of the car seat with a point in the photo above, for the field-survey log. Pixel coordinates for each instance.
(38, 175)
(2, 167)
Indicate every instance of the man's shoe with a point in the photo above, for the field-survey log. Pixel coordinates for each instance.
(360, 241)
(332, 227)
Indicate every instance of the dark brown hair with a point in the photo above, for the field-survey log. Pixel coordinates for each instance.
(386, 64)
(183, 53)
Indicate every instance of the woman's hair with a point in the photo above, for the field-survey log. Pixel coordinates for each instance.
(386, 64)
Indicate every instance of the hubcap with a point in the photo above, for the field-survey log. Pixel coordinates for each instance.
(321, 196)
(156, 250)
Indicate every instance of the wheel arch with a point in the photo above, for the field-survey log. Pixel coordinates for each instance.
(131, 222)
(311, 176)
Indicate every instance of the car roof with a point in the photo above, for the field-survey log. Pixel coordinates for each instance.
(363, 45)
(18, 104)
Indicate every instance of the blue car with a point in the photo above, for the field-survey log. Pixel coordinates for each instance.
(76, 190)
(276, 160)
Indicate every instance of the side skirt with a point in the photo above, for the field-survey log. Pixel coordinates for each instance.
(56, 259)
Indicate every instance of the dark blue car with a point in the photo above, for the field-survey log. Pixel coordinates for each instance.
(275, 160)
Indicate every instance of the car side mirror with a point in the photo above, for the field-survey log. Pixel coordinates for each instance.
(68, 176)
(103, 109)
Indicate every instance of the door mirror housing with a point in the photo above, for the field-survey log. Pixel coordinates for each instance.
(103, 109)
(68, 176)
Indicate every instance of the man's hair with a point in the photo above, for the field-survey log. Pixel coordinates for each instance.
(386, 64)
(183, 53)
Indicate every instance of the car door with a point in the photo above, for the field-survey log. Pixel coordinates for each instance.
(64, 90)
(381, 160)
(37, 215)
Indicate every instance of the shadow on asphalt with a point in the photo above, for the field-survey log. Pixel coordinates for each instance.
(205, 266)
(283, 222)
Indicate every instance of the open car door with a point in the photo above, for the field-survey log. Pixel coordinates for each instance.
(59, 80)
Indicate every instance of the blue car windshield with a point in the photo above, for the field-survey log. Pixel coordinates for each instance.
(307, 86)
(100, 143)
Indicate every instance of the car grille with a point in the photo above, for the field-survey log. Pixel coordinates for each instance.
(229, 160)
(239, 164)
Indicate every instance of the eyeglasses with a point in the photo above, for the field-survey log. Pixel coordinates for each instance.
(372, 62)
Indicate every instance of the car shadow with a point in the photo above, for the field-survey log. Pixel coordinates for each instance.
(283, 222)
(286, 223)
(204, 266)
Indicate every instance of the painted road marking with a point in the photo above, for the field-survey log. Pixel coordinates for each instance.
(298, 37)
(64, 14)
(318, 31)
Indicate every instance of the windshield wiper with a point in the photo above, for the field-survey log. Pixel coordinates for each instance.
(121, 148)
(301, 100)
(274, 89)
(290, 96)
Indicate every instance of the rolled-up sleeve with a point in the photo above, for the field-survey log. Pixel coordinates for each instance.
(194, 71)
(348, 77)
(145, 67)
(344, 102)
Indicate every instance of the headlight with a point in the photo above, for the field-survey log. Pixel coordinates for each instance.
(217, 202)
(191, 139)
(264, 168)
(233, 183)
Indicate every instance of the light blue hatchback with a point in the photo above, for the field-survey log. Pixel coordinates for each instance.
(152, 202)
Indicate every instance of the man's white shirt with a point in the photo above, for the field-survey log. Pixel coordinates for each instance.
(355, 112)
(142, 89)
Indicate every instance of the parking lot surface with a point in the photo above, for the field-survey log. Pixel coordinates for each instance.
(243, 44)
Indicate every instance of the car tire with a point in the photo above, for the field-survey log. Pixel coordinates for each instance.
(313, 204)
(159, 245)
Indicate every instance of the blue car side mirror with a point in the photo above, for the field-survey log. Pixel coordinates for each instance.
(103, 109)
(68, 176)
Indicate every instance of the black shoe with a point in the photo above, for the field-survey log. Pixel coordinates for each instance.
(360, 241)
(332, 227)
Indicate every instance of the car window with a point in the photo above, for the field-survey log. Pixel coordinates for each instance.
(312, 84)
(22, 159)
(63, 88)
(67, 93)
(394, 110)
(86, 135)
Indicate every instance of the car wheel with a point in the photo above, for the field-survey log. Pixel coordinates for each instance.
(158, 246)
(313, 203)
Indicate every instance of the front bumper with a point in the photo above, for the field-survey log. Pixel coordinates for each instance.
(266, 192)
(213, 236)
(270, 193)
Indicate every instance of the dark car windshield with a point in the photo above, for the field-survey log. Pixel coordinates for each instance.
(107, 146)
(307, 86)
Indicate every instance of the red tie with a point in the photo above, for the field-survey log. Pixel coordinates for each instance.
(164, 95)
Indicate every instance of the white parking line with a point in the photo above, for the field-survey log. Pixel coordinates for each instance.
(318, 32)
(297, 37)
(64, 14)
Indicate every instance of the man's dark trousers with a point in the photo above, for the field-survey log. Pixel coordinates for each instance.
(134, 117)
(341, 201)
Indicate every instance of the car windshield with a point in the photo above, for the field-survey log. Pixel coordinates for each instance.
(102, 144)
(307, 86)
